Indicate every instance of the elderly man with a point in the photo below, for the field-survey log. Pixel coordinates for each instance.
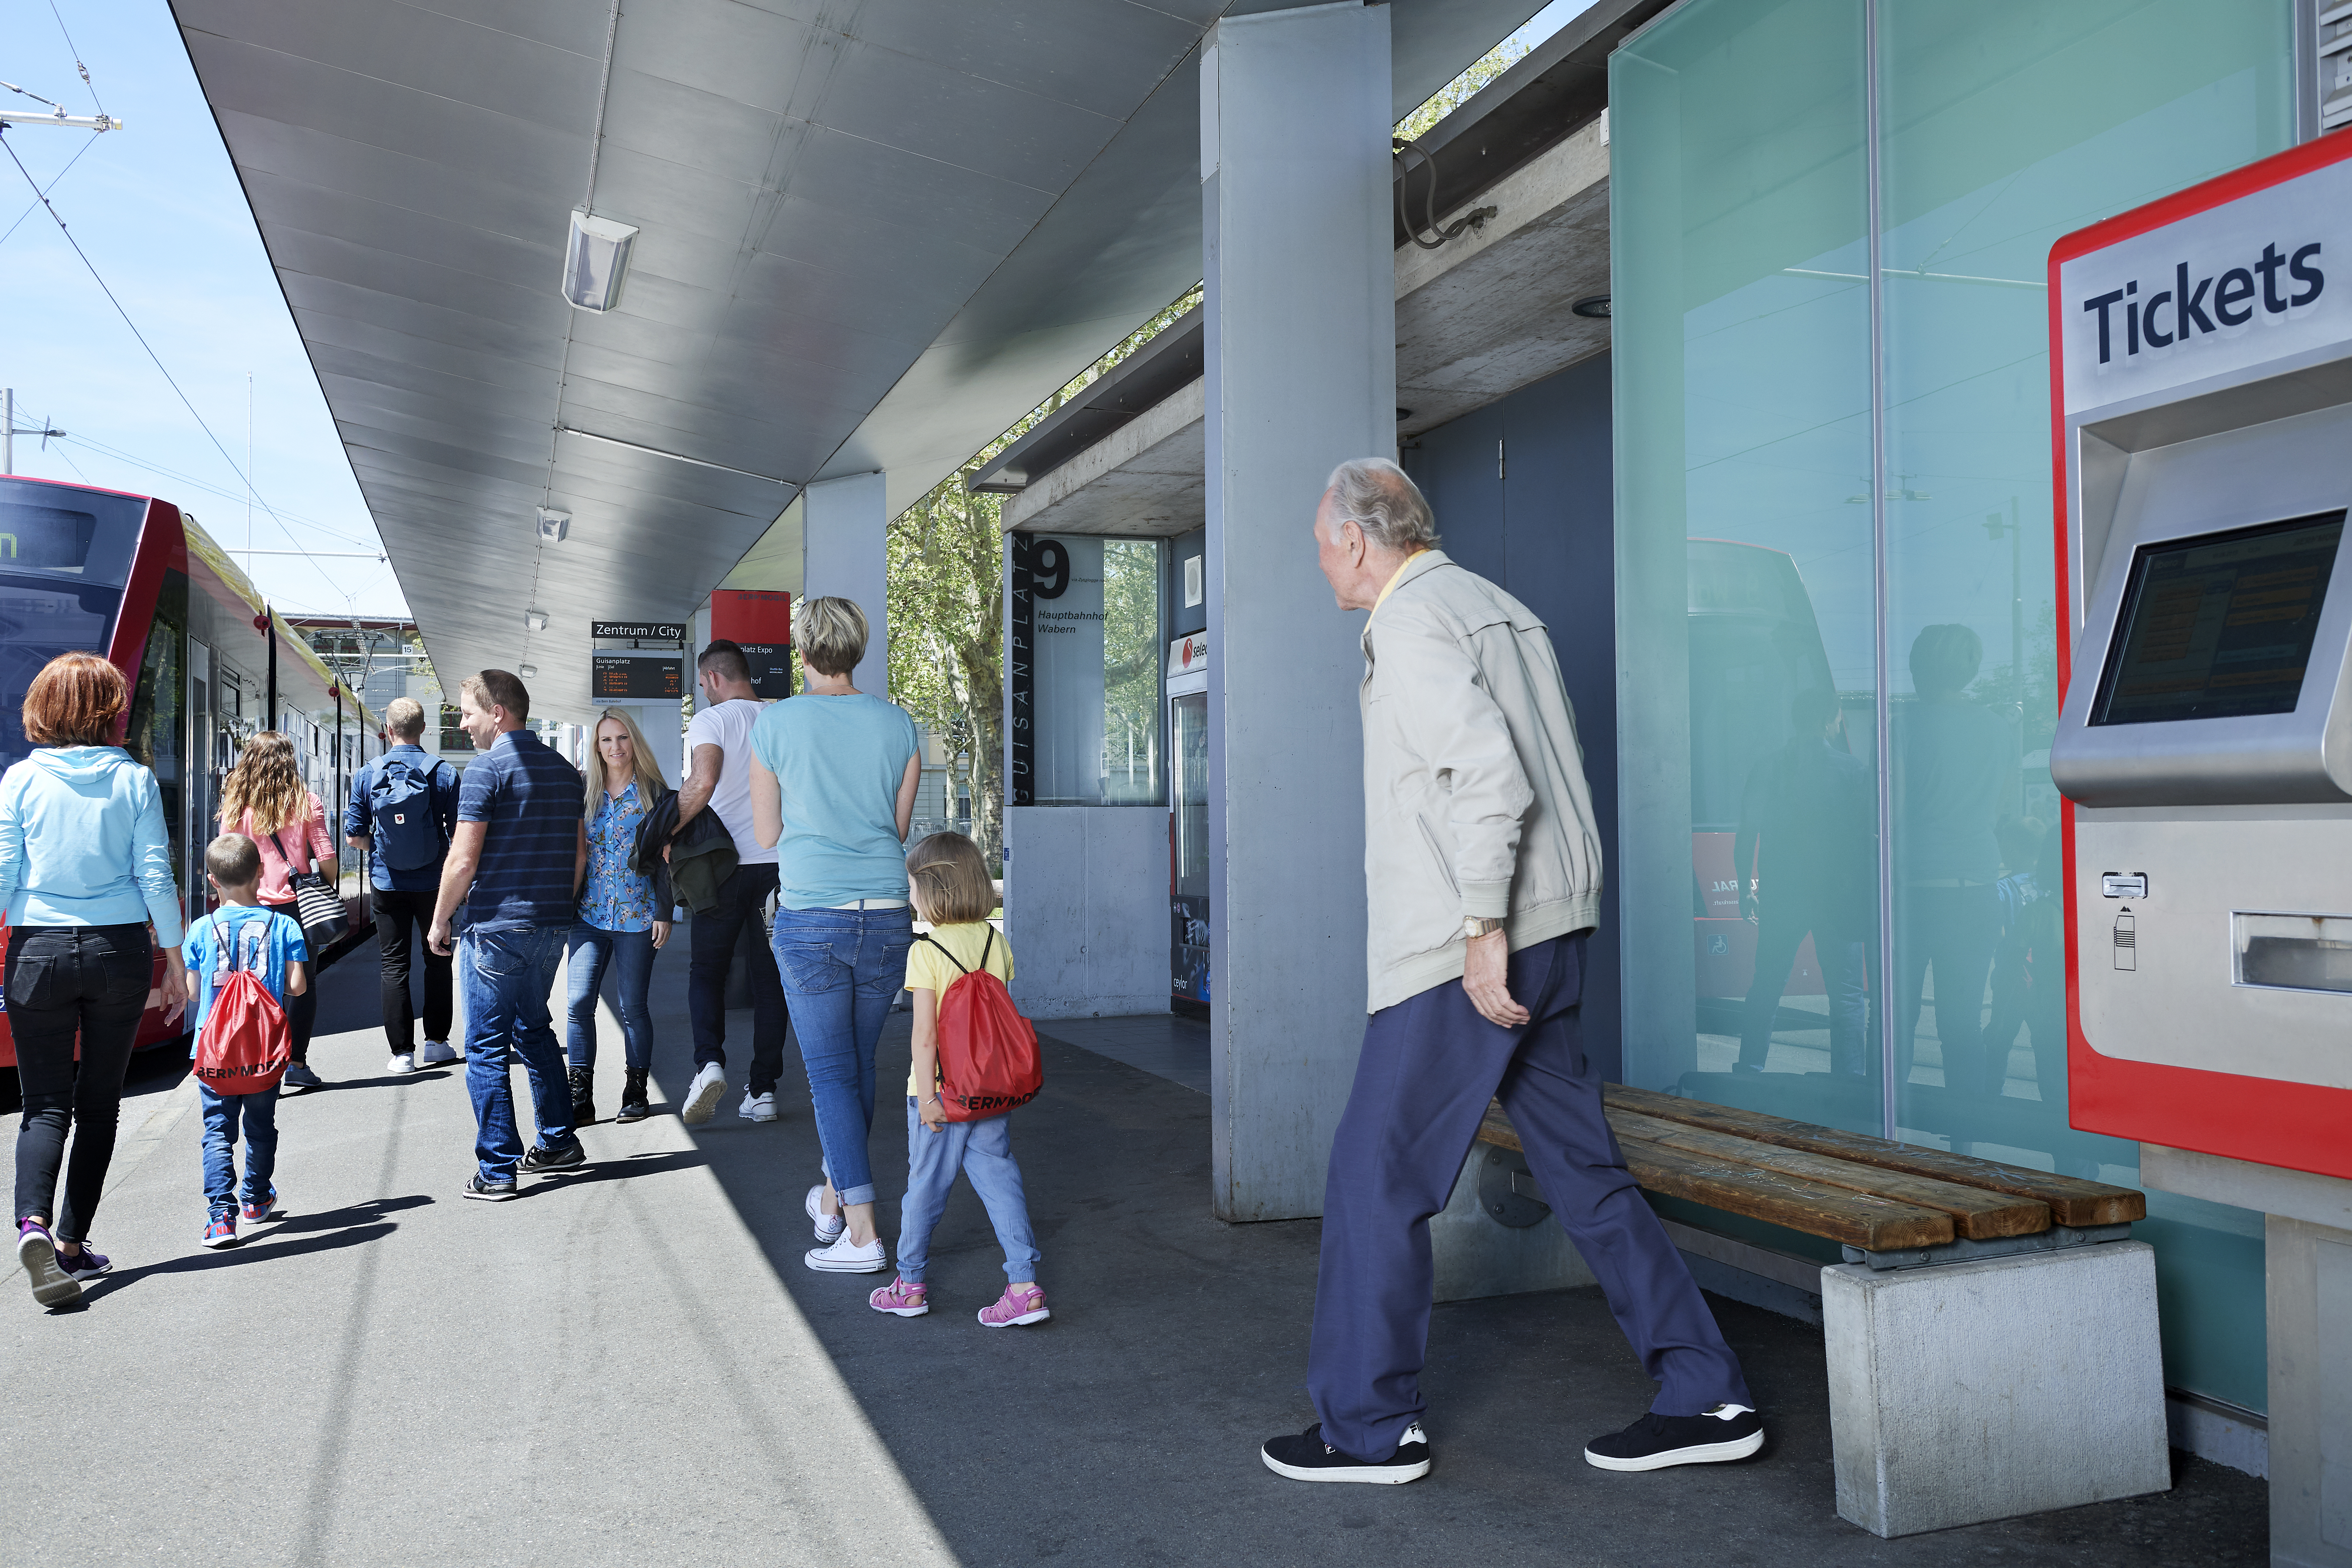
(1482, 867)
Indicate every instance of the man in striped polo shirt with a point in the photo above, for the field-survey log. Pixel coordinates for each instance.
(515, 862)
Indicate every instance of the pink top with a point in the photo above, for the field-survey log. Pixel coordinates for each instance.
(306, 839)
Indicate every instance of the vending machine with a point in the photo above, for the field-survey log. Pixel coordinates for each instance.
(2202, 411)
(1188, 823)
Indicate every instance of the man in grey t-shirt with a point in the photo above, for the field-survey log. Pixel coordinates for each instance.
(718, 779)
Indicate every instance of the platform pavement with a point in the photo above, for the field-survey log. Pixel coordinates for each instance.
(631, 1366)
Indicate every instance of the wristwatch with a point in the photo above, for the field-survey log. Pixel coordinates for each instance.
(1479, 925)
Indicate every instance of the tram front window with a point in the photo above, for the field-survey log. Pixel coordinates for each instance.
(65, 553)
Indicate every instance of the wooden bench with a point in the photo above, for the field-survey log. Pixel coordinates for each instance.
(1992, 1334)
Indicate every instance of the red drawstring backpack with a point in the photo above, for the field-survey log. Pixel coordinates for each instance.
(988, 1052)
(245, 1044)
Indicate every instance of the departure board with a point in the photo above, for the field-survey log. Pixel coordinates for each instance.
(634, 678)
(2219, 627)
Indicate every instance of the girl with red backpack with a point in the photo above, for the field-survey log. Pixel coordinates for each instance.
(975, 1062)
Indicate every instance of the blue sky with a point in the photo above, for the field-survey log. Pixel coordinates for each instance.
(158, 209)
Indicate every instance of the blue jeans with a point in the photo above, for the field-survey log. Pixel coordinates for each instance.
(630, 955)
(983, 1152)
(841, 970)
(505, 976)
(223, 1112)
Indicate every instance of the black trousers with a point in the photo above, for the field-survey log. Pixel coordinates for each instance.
(396, 916)
(715, 934)
(66, 982)
(302, 1012)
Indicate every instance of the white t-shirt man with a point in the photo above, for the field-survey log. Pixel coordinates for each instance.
(728, 725)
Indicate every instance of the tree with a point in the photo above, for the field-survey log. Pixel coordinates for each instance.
(947, 604)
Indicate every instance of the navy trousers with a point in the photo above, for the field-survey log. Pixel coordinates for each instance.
(1430, 1065)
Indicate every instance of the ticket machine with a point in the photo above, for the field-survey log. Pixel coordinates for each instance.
(2201, 356)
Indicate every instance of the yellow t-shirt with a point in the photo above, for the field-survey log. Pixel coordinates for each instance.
(927, 968)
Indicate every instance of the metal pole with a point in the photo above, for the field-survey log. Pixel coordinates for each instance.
(7, 429)
(269, 635)
(1890, 1092)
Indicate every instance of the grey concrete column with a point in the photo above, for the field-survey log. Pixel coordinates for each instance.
(843, 556)
(1295, 123)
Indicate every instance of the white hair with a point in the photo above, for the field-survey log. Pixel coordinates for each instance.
(1382, 498)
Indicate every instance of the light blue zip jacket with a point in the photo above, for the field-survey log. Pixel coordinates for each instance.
(82, 843)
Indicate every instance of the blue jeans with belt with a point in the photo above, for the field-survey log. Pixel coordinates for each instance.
(630, 955)
(840, 971)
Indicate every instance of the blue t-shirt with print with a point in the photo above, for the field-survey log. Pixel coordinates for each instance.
(235, 937)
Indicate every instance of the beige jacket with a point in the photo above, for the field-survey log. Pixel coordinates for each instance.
(1475, 797)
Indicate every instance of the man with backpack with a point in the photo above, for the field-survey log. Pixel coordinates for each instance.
(401, 814)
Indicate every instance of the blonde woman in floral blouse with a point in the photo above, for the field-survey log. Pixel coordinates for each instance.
(624, 917)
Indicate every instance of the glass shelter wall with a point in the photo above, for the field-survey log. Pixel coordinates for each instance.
(1834, 520)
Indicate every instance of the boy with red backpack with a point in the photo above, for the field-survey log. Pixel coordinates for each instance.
(975, 1062)
(244, 960)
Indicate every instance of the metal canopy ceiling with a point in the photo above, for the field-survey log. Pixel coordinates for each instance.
(873, 234)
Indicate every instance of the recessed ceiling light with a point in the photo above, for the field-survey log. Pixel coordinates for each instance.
(596, 261)
(535, 620)
(553, 525)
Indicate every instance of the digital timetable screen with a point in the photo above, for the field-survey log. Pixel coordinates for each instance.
(2219, 627)
(634, 678)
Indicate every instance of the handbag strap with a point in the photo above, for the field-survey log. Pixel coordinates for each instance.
(313, 865)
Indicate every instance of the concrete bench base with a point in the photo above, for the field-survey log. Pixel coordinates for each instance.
(1477, 1257)
(1968, 1392)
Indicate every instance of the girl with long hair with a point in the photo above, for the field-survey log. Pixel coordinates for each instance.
(264, 798)
(624, 916)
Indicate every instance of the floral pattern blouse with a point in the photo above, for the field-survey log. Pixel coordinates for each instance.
(615, 897)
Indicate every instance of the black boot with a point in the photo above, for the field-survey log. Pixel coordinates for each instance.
(583, 1095)
(633, 1097)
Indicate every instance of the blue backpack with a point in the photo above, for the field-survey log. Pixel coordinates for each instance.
(400, 801)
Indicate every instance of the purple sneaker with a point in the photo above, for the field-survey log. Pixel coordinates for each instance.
(87, 1264)
(222, 1232)
(1020, 1306)
(52, 1286)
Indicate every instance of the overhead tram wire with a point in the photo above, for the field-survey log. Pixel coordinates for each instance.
(55, 180)
(50, 207)
(76, 52)
(117, 455)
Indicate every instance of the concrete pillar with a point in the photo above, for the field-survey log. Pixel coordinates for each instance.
(1301, 313)
(843, 556)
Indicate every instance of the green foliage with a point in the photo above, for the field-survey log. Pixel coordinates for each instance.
(1457, 92)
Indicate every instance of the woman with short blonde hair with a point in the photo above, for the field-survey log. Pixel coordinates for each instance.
(264, 798)
(624, 916)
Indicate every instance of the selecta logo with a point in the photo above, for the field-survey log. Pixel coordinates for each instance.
(2192, 306)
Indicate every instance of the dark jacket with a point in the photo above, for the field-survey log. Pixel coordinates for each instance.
(700, 859)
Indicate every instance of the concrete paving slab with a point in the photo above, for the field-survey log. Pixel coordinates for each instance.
(632, 1366)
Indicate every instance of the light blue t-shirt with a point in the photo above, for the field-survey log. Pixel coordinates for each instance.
(235, 937)
(838, 763)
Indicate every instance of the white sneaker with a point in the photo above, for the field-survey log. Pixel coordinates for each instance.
(757, 1107)
(401, 1062)
(829, 1227)
(845, 1256)
(435, 1053)
(703, 1095)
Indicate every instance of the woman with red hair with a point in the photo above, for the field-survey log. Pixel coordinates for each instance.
(85, 866)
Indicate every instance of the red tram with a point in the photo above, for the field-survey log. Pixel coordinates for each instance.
(133, 578)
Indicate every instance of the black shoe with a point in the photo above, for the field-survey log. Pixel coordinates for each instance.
(583, 1095)
(1307, 1457)
(540, 1161)
(1655, 1441)
(633, 1099)
(478, 1187)
(298, 1077)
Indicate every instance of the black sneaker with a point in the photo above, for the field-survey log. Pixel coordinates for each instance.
(298, 1077)
(583, 1095)
(1307, 1457)
(480, 1186)
(1655, 1441)
(540, 1161)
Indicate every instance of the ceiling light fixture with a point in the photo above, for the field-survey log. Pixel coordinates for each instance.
(535, 620)
(553, 525)
(596, 261)
(529, 672)
(1592, 307)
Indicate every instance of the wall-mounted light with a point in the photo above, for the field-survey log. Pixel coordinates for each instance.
(535, 620)
(529, 672)
(553, 525)
(1593, 306)
(596, 261)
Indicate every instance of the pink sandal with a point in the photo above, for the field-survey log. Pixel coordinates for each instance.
(1020, 1305)
(900, 1299)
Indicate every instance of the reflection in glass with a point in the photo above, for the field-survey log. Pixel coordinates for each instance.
(1131, 654)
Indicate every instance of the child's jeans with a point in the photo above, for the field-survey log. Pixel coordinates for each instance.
(259, 1113)
(982, 1150)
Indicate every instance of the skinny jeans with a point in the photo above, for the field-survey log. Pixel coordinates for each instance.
(842, 969)
(629, 956)
(69, 983)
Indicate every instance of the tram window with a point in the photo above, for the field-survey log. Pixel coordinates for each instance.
(156, 735)
(37, 622)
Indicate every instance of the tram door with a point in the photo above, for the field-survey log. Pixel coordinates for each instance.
(1188, 823)
(200, 799)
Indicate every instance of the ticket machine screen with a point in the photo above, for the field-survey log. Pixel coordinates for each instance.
(2221, 625)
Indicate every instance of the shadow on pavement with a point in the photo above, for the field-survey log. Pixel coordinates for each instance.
(349, 1227)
